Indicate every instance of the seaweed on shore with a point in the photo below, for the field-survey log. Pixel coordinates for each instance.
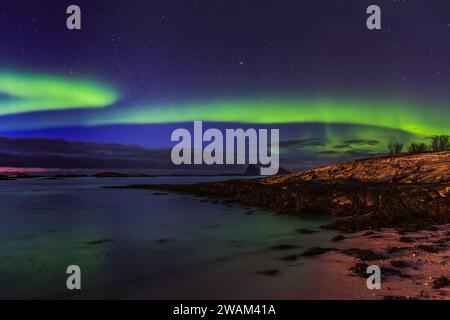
(400, 264)
(284, 246)
(362, 254)
(316, 251)
(270, 273)
(338, 238)
(100, 241)
(441, 283)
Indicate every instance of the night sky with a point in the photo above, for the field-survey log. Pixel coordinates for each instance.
(139, 69)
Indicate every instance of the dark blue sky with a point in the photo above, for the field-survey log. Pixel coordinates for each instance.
(181, 52)
(175, 50)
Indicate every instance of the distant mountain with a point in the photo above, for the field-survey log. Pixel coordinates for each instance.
(14, 175)
(117, 175)
(254, 170)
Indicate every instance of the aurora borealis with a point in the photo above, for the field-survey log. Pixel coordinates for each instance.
(33, 93)
(408, 117)
(44, 93)
(340, 91)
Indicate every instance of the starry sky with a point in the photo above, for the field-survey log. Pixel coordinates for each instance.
(109, 95)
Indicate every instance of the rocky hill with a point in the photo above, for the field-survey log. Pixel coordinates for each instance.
(420, 168)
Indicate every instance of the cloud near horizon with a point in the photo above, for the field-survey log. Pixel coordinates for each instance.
(63, 154)
(68, 155)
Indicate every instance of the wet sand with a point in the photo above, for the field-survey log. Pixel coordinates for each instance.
(412, 265)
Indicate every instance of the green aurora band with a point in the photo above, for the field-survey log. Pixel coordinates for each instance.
(31, 93)
(39, 93)
(411, 118)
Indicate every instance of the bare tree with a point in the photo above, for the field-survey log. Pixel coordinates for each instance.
(415, 148)
(440, 143)
(395, 148)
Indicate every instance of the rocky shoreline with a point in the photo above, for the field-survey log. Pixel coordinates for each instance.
(362, 206)
(405, 192)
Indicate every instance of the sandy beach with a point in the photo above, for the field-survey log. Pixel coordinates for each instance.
(413, 265)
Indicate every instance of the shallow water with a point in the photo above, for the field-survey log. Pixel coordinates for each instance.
(159, 246)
